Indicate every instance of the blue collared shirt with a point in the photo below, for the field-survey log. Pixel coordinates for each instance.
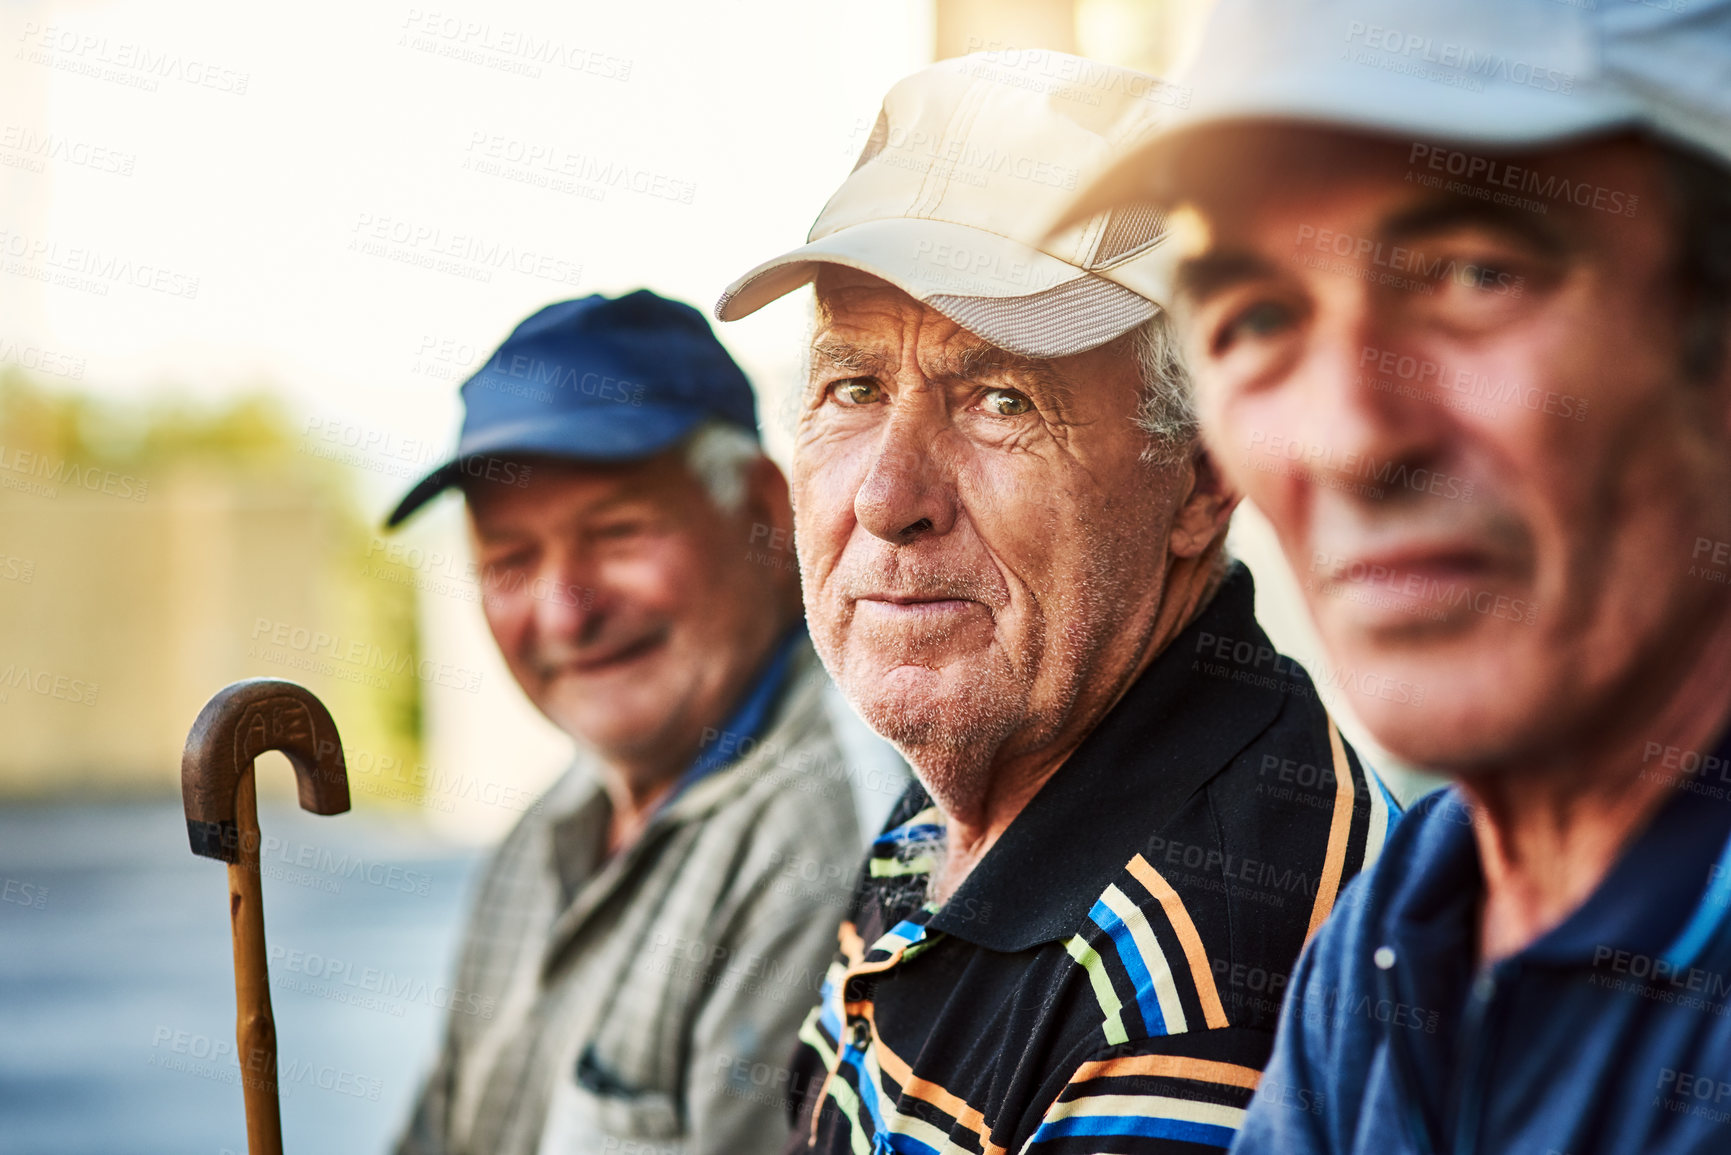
(1609, 1033)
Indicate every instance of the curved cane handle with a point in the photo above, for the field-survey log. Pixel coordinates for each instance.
(239, 723)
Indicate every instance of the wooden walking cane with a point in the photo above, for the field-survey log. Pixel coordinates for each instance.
(217, 784)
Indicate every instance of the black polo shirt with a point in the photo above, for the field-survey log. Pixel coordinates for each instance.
(1109, 975)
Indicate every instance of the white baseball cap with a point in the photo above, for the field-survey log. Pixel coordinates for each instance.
(953, 194)
(1499, 74)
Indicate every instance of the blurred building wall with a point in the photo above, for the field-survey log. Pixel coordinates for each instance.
(125, 614)
(1150, 35)
(964, 26)
(135, 585)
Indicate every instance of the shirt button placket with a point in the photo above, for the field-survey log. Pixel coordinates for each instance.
(1477, 1045)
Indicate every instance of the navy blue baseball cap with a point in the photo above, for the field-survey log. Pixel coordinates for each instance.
(598, 379)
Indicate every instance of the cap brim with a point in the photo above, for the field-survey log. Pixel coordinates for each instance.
(1381, 104)
(1018, 297)
(574, 437)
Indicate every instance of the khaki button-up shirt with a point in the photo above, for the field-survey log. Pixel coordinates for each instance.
(643, 1003)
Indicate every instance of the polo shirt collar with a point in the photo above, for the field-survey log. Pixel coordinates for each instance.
(1665, 896)
(1173, 730)
(1662, 885)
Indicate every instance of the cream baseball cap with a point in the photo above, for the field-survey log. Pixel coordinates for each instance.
(968, 164)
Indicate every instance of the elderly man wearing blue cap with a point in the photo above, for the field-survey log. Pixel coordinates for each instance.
(1487, 243)
(648, 937)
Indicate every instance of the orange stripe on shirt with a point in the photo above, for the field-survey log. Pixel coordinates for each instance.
(1212, 1012)
(1334, 863)
(927, 1091)
(852, 950)
(852, 945)
(1169, 1066)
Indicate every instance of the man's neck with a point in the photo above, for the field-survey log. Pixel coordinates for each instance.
(1013, 781)
(1547, 838)
(637, 784)
(632, 803)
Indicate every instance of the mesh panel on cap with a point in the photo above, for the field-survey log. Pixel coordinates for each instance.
(1128, 231)
(1066, 319)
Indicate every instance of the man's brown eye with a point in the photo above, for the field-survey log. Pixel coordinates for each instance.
(857, 392)
(616, 530)
(1263, 319)
(1006, 403)
(499, 568)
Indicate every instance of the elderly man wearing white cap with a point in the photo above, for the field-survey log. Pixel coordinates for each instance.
(1489, 241)
(1131, 810)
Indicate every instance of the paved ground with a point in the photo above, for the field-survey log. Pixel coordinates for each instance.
(117, 989)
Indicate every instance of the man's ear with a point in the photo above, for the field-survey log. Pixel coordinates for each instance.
(1204, 513)
(768, 504)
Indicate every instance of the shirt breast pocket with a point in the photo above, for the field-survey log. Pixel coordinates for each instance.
(596, 1111)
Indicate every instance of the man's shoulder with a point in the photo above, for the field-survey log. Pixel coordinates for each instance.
(818, 758)
(1344, 951)
(572, 789)
(796, 786)
(521, 862)
(1202, 937)
(1232, 885)
(799, 762)
(1296, 802)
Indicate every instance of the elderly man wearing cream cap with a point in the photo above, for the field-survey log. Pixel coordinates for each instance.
(1130, 809)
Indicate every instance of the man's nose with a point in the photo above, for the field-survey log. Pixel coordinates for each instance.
(908, 490)
(563, 594)
(1356, 421)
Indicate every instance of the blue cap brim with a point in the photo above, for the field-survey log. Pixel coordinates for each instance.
(572, 437)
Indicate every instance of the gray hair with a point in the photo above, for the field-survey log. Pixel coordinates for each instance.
(1167, 413)
(718, 455)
